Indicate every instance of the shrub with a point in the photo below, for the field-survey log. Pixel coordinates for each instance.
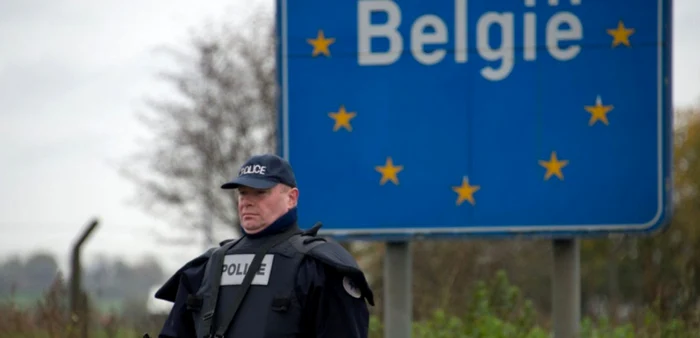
(496, 309)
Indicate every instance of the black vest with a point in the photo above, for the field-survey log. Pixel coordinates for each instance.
(270, 307)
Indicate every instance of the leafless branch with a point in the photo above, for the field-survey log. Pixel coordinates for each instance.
(223, 112)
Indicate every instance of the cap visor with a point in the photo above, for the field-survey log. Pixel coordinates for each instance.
(251, 182)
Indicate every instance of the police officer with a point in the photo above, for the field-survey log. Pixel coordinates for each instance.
(276, 280)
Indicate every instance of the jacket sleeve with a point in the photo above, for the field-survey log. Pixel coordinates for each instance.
(332, 306)
(179, 323)
(177, 290)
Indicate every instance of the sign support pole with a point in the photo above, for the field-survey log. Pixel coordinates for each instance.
(566, 288)
(398, 302)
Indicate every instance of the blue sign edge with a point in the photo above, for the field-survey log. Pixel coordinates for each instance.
(658, 225)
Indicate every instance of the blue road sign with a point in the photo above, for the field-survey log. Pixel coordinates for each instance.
(458, 117)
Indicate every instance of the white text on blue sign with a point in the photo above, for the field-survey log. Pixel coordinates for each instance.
(562, 26)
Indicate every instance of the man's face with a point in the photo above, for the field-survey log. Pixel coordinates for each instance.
(259, 208)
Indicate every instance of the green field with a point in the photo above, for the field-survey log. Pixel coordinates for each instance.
(27, 301)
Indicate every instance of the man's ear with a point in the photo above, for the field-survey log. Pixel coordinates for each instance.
(293, 197)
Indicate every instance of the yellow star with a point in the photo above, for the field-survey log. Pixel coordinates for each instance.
(389, 171)
(342, 119)
(598, 112)
(553, 166)
(465, 192)
(321, 44)
(621, 35)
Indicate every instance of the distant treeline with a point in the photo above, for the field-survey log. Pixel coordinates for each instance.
(104, 278)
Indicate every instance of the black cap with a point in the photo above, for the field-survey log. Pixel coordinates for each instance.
(263, 172)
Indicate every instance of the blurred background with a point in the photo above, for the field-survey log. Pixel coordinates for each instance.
(130, 112)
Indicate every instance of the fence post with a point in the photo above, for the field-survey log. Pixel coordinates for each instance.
(78, 298)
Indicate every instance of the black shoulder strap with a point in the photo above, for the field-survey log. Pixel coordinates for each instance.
(308, 239)
(247, 280)
(216, 262)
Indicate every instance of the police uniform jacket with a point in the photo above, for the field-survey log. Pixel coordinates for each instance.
(305, 287)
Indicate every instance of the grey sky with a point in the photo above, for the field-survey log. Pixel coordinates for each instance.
(72, 76)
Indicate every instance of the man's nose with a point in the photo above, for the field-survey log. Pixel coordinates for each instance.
(246, 201)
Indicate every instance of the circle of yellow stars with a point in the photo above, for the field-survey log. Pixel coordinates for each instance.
(465, 191)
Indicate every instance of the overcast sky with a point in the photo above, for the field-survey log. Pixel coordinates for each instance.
(72, 76)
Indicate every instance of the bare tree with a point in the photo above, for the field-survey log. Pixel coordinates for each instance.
(224, 111)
